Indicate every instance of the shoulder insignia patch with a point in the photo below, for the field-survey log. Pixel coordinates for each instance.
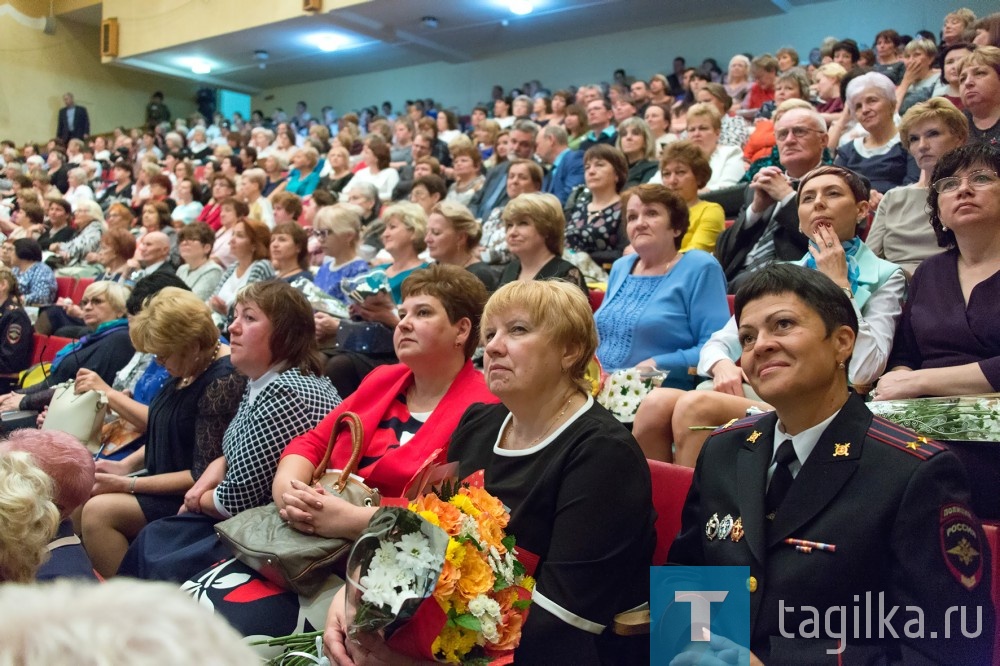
(14, 333)
(961, 545)
(737, 424)
(896, 436)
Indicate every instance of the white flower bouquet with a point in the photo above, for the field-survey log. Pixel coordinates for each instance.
(622, 391)
(970, 418)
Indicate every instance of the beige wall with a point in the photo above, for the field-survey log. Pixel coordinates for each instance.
(37, 69)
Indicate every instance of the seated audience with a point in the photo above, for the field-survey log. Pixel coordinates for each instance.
(59, 230)
(249, 245)
(636, 143)
(116, 248)
(289, 251)
(920, 76)
(523, 176)
(947, 342)
(657, 117)
(185, 424)
(198, 271)
(338, 229)
(979, 81)
(901, 231)
(887, 60)
(704, 127)
(594, 222)
(951, 57)
(338, 161)
(87, 217)
(832, 204)
(536, 228)
(737, 78)
(36, 280)
(452, 238)
(661, 306)
(541, 452)
(16, 343)
(684, 170)
(223, 188)
(765, 71)
(839, 475)
(28, 517)
(427, 191)
(466, 165)
(187, 209)
(377, 170)
(735, 130)
(70, 466)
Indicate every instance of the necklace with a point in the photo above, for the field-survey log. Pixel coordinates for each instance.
(552, 423)
(187, 381)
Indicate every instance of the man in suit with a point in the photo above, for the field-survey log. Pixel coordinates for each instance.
(834, 511)
(566, 170)
(152, 254)
(74, 123)
(523, 137)
(767, 227)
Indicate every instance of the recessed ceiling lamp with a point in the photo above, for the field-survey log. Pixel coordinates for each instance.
(520, 7)
(201, 67)
(327, 41)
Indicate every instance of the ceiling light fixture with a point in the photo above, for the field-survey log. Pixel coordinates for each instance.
(327, 41)
(520, 7)
(201, 67)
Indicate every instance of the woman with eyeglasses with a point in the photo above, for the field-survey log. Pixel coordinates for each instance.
(948, 340)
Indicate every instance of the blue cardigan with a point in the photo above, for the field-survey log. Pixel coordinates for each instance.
(667, 318)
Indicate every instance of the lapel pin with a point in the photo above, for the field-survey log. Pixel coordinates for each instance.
(725, 526)
(737, 532)
(712, 526)
(841, 450)
(753, 437)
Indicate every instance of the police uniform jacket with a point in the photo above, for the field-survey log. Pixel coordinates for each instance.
(894, 506)
(16, 338)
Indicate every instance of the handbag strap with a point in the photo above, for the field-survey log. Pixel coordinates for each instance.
(357, 440)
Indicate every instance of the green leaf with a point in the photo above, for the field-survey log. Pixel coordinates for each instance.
(521, 604)
(469, 621)
(508, 542)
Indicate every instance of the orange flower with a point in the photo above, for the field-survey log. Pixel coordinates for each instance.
(506, 598)
(449, 517)
(490, 532)
(476, 576)
(483, 501)
(509, 630)
(446, 583)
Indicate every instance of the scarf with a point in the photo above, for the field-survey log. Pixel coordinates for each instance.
(851, 248)
(103, 330)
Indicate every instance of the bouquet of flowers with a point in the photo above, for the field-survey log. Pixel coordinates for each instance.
(621, 392)
(440, 580)
(970, 418)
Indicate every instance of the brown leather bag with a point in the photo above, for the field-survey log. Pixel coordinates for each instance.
(296, 561)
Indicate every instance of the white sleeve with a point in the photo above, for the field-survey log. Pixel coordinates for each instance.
(724, 344)
(876, 330)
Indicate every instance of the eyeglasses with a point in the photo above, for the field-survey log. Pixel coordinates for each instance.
(95, 301)
(977, 180)
(799, 132)
(321, 233)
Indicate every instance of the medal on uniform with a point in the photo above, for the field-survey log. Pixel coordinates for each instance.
(737, 532)
(712, 526)
(725, 526)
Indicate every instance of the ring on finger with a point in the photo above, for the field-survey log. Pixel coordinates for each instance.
(829, 244)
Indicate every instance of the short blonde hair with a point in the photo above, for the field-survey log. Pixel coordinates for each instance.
(545, 214)
(936, 108)
(709, 111)
(559, 309)
(965, 15)
(925, 46)
(833, 70)
(174, 321)
(115, 294)
(461, 220)
(28, 517)
(412, 217)
(340, 219)
(984, 56)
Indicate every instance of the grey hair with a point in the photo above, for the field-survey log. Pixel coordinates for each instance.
(882, 84)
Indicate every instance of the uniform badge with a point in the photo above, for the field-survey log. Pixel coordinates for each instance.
(754, 436)
(737, 532)
(915, 444)
(725, 526)
(712, 526)
(13, 333)
(841, 450)
(961, 544)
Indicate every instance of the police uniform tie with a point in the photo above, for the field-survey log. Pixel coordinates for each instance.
(782, 478)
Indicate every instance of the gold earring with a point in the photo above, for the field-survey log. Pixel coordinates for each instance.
(841, 365)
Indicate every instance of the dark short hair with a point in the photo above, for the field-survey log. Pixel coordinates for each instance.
(677, 209)
(460, 292)
(850, 46)
(690, 155)
(27, 249)
(62, 203)
(977, 154)
(299, 237)
(149, 286)
(161, 180)
(289, 202)
(33, 211)
(196, 231)
(859, 185)
(293, 330)
(891, 35)
(162, 212)
(239, 207)
(433, 184)
(614, 157)
(816, 290)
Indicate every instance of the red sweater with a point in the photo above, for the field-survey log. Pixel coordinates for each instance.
(375, 400)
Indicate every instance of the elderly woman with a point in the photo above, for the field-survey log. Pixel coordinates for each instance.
(738, 78)
(536, 228)
(920, 77)
(249, 245)
(879, 156)
(105, 351)
(275, 167)
(87, 216)
(78, 190)
(427, 191)
(832, 203)
(36, 280)
(303, 177)
(635, 141)
(979, 82)
(704, 129)
(427, 393)
(735, 130)
(466, 163)
(338, 228)
(684, 171)
(16, 342)
(377, 170)
(947, 341)
(452, 238)
(594, 221)
(523, 176)
(199, 272)
(338, 162)
(289, 250)
(28, 517)
(901, 231)
(272, 343)
(186, 421)
(116, 248)
(653, 290)
(542, 451)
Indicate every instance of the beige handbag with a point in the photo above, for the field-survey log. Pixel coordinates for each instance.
(296, 561)
(81, 415)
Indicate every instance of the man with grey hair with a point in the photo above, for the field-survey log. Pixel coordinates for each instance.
(151, 254)
(767, 228)
(250, 189)
(523, 136)
(566, 166)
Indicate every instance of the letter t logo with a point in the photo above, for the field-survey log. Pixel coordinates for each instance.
(701, 605)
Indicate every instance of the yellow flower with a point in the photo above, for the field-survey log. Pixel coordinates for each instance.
(430, 517)
(464, 505)
(453, 644)
(449, 518)
(528, 583)
(455, 553)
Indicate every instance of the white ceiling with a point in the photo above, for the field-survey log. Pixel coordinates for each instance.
(388, 34)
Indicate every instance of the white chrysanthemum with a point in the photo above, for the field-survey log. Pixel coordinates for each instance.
(483, 607)
(489, 630)
(415, 553)
(469, 529)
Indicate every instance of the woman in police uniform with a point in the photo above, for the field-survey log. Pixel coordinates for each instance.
(16, 332)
